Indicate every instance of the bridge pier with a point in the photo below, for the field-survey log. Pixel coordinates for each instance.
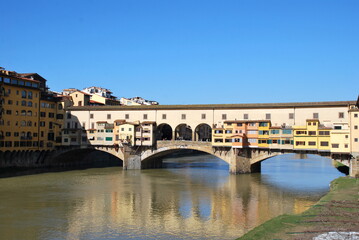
(240, 162)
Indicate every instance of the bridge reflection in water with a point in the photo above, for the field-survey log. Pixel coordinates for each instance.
(177, 203)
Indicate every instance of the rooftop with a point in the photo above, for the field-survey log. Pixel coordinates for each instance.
(216, 106)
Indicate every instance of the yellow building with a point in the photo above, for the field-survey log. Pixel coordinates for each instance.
(263, 133)
(125, 132)
(223, 136)
(313, 136)
(340, 138)
(22, 127)
(20, 99)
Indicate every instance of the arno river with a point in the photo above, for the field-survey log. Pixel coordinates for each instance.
(193, 198)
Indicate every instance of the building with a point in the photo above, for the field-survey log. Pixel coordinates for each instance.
(31, 116)
(136, 101)
(80, 98)
(354, 128)
(312, 136)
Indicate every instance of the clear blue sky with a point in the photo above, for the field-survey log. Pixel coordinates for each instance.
(188, 51)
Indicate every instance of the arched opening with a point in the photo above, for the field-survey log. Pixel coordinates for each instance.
(203, 133)
(184, 158)
(164, 132)
(299, 172)
(183, 132)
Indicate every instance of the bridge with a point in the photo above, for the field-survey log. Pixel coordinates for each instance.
(240, 161)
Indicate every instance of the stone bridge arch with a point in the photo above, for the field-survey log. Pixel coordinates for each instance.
(76, 156)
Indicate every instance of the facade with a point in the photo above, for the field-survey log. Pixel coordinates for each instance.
(354, 128)
(312, 136)
(80, 98)
(136, 101)
(284, 126)
(30, 118)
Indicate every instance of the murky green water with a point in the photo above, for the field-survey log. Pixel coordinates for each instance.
(199, 200)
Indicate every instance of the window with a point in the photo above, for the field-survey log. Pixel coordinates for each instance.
(355, 139)
(51, 115)
(346, 145)
(324, 144)
(224, 116)
(91, 115)
(335, 145)
(79, 103)
(324, 133)
(263, 124)
(9, 102)
(108, 138)
(108, 116)
(315, 115)
(268, 116)
(300, 143)
(183, 117)
(356, 127)
(337, 127)
(8, 112)
(164, 116)
(42, 114)
(92, 125)
(312, 143)
(311, 133)
(346, 136)
(286, 131)
(127, 116)
(68, 115)
(355, 115)
(29, 104)
(84, 124)
(29, 113)
(341, 115)
(274, 131)
(23, 94)
(291, 115)
(144, 116)
(29, 95)
(23, 103)
(203, 116)
(245, 116)
(42, 124)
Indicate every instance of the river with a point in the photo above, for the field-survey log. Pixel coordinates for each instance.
(194, 197)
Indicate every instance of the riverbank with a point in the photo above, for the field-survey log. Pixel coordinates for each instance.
(337, 211)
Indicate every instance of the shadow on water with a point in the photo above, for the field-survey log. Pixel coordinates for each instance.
(93, 160)
(193, 159)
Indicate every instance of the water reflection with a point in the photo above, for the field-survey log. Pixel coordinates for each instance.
(176, 203)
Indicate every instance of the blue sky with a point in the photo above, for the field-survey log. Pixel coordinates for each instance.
(188, 51)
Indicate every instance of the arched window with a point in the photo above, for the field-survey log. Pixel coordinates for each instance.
(23, 94)
(28, 134)
(29, 123)
(1, 134)
(23, 112)
(29, 113)
(23, 123)
(29, 104)
(23, 103)
(16, 113)
(2, 122)
(29, 95)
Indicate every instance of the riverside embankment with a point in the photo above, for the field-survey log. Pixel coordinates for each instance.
(337, 211)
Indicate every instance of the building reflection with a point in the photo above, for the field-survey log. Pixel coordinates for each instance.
(176, 203)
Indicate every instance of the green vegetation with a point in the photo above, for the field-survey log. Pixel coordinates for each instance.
(336, 211)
